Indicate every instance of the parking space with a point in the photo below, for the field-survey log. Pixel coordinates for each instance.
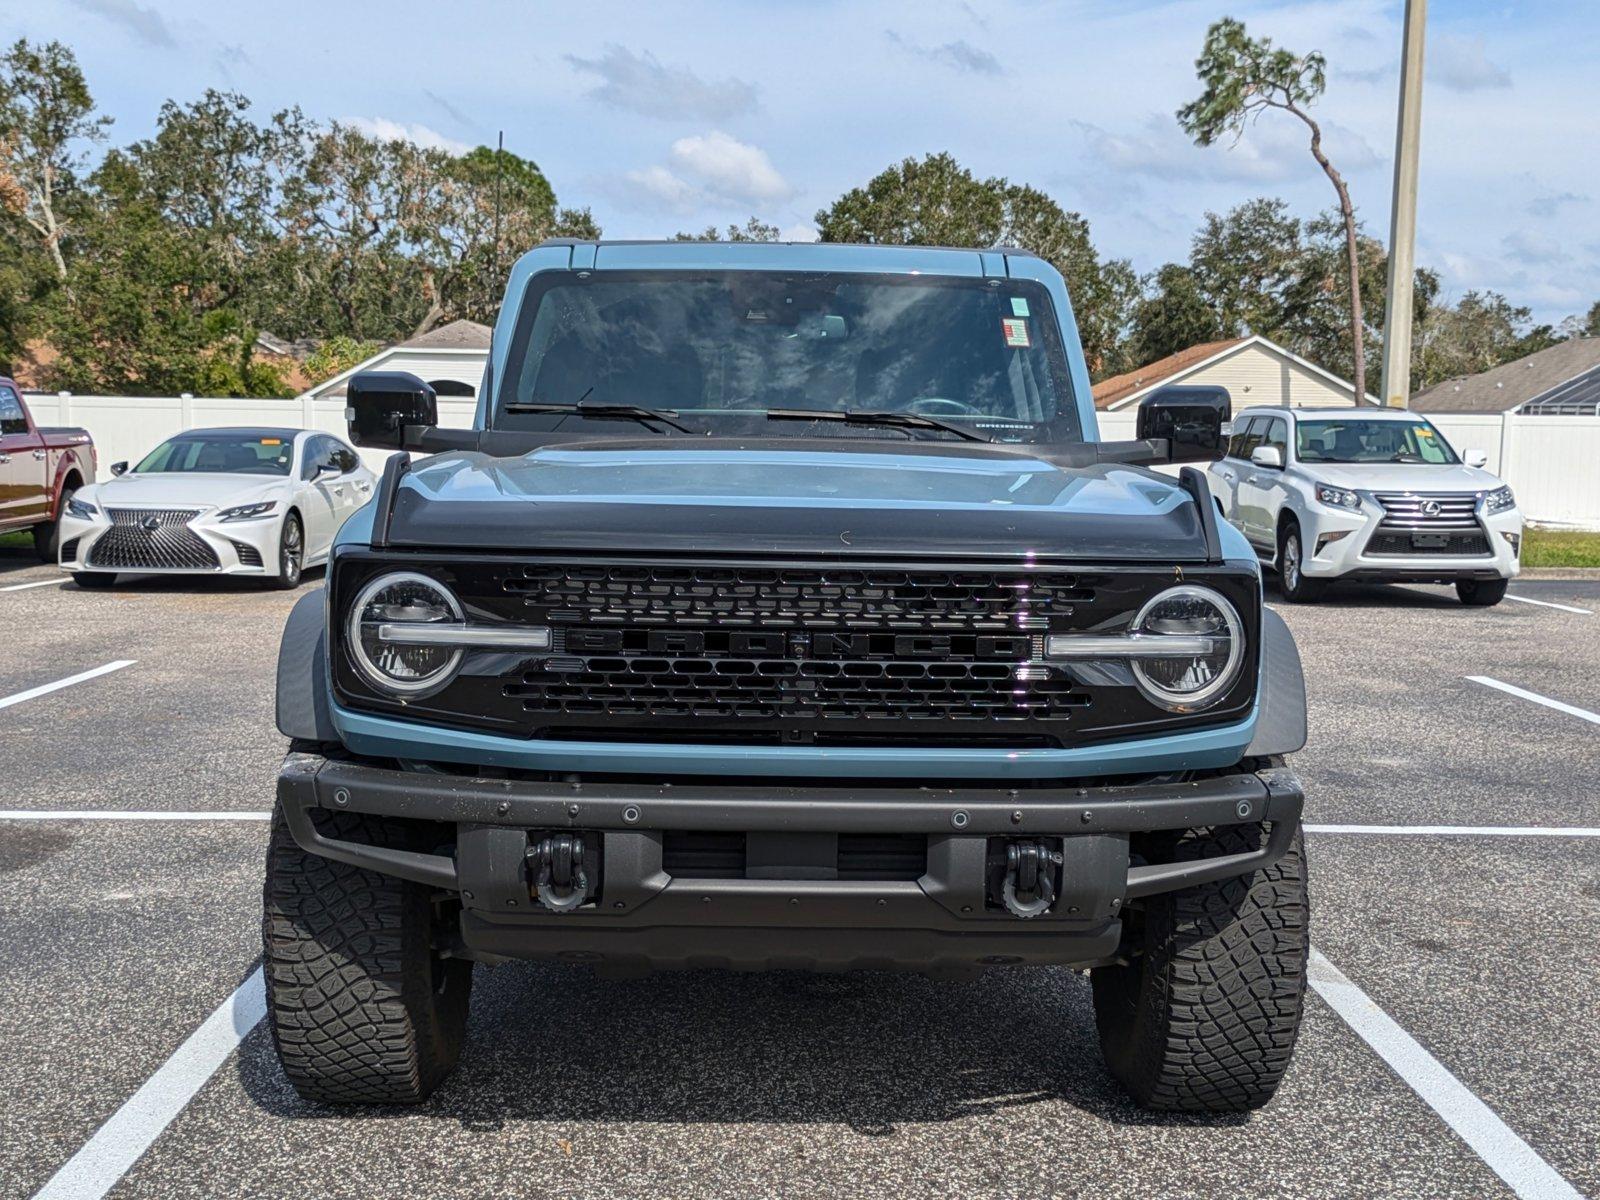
(119, 938)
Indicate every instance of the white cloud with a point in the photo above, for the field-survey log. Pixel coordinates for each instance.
(802, 232)
(1273, 149)
(730, 169)
(386, 130)
(960, 54)
(640, 83)
(1462, 64)
(145, 24)
(655, 186)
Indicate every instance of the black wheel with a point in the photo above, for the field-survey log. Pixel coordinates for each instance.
(1481, 593)
(1292, 581)
(363, 1009)
(291, 553)
(95, 580)
(1203, 1018)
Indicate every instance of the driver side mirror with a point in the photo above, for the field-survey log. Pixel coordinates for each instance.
(1189, 419)
(387, 410)
(1476, 458)
(119, 468)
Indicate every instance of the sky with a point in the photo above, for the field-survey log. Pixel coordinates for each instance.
(668, 116)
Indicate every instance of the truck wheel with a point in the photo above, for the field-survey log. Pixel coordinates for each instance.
(1292, 581)
(47, 537)
(1481, 593)
(94, 579)
(291, 553)
(1204, 1016)
(363, 1009)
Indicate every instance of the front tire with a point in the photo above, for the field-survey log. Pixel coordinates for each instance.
(1481, 593)
(1292, 581)
(1204, 1016)
(363, 1008)
(291, 553)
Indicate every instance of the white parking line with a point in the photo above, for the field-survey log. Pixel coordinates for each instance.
(1582, 714)
(117, 1145)
(46, 688)
(1588, 612)
(1507, 1155)
(22, 587)
(67, 814)
(1569, 831)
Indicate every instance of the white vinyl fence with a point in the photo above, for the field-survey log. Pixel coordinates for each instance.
(1553, 463)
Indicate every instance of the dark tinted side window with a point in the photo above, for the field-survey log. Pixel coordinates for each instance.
(344, 458)
(319, 453)
(1278, 435)
(12, 418)
(1246, 439)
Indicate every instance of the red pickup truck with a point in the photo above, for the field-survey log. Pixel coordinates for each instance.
(39, 470)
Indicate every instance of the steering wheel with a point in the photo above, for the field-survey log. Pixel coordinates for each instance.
(939, 404)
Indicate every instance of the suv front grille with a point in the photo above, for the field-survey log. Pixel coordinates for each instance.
(1429, 523)
(152, 539)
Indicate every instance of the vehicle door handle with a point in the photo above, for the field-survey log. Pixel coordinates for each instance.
(39, 454)
(5, 458)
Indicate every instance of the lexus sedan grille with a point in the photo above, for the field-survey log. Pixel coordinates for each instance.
(152, 539)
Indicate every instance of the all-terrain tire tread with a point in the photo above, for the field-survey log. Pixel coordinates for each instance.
(1206, 1021)
(350, 993)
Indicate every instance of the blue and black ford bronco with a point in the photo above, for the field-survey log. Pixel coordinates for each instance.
(783, 609)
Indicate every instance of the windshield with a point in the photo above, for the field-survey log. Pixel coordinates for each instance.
(233, 453)
(1358, 440)
(720, 348)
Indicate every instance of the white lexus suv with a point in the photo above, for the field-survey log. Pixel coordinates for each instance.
(1367, 494)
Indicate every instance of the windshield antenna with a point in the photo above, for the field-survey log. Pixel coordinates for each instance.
(499, 172)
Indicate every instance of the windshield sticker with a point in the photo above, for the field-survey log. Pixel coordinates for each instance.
(1019, 306)
(272, 441)
(1015, 330)
(1424, 432)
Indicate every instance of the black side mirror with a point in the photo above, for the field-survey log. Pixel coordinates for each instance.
(119, 468)
(382, 406)
(1189, 419)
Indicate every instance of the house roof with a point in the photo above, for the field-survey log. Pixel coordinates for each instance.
(1119, 387)
(458, 335)
(1513, 383)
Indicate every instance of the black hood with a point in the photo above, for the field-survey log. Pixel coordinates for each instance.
(807, 500)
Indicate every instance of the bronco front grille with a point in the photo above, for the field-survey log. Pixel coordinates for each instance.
(742, 652)
(152, 539)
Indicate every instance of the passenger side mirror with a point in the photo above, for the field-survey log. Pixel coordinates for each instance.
(1475, 458)
(382, 406)
(1267, 456)
(1189, 419)
(119, 468)
(325, 469)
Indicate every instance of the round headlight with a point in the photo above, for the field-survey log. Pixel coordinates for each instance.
(399, 598)
(1186, 683)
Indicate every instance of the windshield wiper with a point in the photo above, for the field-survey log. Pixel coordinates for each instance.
(603, 411)
(891, 420)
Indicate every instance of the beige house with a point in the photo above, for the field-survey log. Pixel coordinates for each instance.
(451, 358)
(1255, 370)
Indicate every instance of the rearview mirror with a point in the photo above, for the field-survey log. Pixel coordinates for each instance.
(119, 468)
(1189, 419)
(1267, 456)
(1476, 458)
(382, 406)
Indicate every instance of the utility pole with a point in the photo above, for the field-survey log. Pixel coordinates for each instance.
(1403, 215)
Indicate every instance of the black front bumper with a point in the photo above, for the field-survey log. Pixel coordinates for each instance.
(645, 917)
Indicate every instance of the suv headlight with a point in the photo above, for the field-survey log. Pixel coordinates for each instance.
(1185, 647)
(1499, 500)
(401, 598)
(81, 509)
(244, 512)
(1338, 497)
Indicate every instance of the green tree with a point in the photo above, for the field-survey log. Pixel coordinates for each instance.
(1480, 331)
(937, 202)
(46, 117)
(337, 355)
(1244, 77)
(1247, 262)
(1174, 315)
(753, 230)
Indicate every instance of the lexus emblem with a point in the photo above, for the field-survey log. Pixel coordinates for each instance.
(150, 524)
(1431, 508)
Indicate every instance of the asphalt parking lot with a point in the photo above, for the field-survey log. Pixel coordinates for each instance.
(1449, 1050)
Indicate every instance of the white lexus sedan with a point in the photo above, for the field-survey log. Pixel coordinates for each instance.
(261, 502)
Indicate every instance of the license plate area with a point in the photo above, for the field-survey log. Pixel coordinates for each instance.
(1429, 541)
